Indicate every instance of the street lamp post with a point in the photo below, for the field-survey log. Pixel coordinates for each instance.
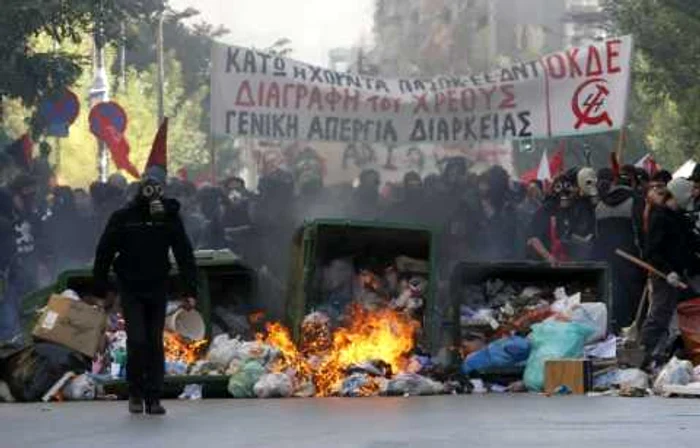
(99, 92)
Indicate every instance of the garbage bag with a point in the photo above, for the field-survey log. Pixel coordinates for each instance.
(5, 394)
(353, 385)
(256, 351)
(689, 323)
(34, 370)
(594, 315)
(274, 385)
(305, 390)
(222, 350)
(413, 384)
(242, 382)
(565, 304)
(632, 379)
(191, 392)
(80, 388)
(506, 352)
(675, 373)
(552, 340)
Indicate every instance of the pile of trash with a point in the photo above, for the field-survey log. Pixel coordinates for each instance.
(371, 354)
(506, 328)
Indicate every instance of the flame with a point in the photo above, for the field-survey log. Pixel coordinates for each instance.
(278, 336)
(178, 348)
(384, 334)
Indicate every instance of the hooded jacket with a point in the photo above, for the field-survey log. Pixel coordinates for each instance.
(139, 247)
(670, 244)
(618, 223)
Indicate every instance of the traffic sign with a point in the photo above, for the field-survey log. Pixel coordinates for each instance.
(59, 112)
(109, 111)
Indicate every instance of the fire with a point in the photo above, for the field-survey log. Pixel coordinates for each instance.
(278, 336)
(178, 348)
(384, 334)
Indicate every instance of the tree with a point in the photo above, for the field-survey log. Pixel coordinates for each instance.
(29, 74)
(78, 152)
(667, 72)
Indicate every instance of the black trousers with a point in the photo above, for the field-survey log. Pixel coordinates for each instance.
(664, 301)
(144, 314)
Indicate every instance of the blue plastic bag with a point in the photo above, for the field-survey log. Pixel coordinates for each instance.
(506, 352)
(553, 340)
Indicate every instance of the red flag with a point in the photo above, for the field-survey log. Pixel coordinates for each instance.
(159, 150)
(21, 151)
(556, 167)
(615, 166)
(557, 249)
(118, 146)
(556, 163)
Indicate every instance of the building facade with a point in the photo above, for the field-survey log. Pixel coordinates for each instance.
(428, 37)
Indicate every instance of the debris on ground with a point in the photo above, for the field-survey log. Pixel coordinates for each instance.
(191, 392)
(675, 373)
(274, 385)
(242, 382)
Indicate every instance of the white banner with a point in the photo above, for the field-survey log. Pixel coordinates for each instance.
(577, 91)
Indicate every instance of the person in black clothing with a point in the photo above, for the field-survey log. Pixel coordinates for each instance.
(494, 237)
(410, 206)
(619, 226)
(670, 248)
(27, 255)
(562, 230)
(365, 202)
(137, 240)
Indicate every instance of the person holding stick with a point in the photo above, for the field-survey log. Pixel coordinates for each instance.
(670, 249)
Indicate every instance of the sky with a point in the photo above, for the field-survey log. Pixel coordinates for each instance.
(314, 26)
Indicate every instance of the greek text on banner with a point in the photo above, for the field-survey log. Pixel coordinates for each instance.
(576, 91)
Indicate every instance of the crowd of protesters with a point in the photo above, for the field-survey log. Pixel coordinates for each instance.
(581, 215)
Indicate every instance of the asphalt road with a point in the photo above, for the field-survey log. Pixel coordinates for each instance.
(455, 421)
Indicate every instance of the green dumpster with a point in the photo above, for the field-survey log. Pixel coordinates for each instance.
(224, 280)
(319, 242)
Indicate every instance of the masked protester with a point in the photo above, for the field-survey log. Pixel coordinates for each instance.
(619, 217)
(587, 180)
(365, 201)
(525, 212)
(409, 206)
(140, 236)
(494, 237)
(671, 249)
(28, 255)
(695, 179)
(555, 235)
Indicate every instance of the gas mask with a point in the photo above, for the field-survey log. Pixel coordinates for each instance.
(564, 190)
(152, 192)
(588, 183)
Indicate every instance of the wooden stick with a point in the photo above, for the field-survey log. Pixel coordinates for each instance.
(646, 266)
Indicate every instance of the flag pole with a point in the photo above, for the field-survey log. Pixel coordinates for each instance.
(621, 144)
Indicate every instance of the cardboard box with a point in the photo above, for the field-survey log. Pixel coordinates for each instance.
(73, 324)
(575, 374)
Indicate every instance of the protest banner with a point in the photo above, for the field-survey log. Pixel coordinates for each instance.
(576, 91)
(340, 163)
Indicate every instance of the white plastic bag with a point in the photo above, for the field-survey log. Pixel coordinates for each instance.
(632, 379)
(593, 315)
(675, 373)
(223, 349)
(274, 385)
(191, 392)
(80, 388)
(564, 304)
(413, 384)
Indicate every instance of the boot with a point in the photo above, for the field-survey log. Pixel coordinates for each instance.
(153, 407)
(135, 405)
